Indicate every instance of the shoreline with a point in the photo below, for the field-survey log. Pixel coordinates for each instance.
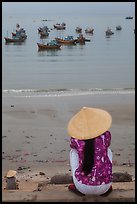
(34, 130)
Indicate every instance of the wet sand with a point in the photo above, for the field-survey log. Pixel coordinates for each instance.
(35, 138)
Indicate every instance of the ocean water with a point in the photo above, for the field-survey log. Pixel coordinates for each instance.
(99, 66)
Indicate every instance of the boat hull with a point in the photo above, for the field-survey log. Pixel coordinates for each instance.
(60, 26)
(67, 42)
(109, 33)
(12, 40)
(48, 47)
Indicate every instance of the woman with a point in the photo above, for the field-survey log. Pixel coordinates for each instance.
(11, 183)
(90, 156)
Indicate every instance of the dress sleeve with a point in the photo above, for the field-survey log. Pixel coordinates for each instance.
(107, 138)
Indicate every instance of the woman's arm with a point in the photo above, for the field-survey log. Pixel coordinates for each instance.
(73, 143)
(107, 138)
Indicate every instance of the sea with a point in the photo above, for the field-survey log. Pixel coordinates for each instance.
(102, 65)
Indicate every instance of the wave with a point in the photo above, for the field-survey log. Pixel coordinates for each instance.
(64, 92)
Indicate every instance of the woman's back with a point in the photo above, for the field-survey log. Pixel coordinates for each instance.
(101, 172)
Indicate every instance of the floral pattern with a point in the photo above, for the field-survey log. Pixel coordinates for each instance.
(101, 172)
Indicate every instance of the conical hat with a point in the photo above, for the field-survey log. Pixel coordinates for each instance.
(11, 173)
(89, 123)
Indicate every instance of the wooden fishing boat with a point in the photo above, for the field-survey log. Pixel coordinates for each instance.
(81, 39)
(50, 45)
(67, 40)
(129, 17)
(44, 34)
(89, 30)
(43, 29)
(43, 46)
(109, 32)
(118, 27)
(59, 26)
(78, 30)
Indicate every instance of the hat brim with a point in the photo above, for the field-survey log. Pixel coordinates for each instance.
(89, 123)
(11, 173)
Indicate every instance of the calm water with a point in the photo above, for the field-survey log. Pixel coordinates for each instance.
(101, 64)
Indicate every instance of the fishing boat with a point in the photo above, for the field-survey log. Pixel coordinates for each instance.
(59, 26)
(109, 32)
(78, 29)
(89, 30)
(50, 45)
(67, 40)
(81, 39)
(44, 34)
(43, 29)
(129, 17)
(118, 27)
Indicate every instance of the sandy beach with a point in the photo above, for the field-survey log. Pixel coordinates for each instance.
(35, 138)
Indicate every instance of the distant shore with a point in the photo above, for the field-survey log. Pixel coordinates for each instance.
(34, 130)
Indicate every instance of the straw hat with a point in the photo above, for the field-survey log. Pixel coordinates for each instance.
(89, 123)
(11, 173)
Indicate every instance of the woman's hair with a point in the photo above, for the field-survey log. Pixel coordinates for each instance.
(88, 160)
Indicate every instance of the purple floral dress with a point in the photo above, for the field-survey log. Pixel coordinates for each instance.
(102, 170)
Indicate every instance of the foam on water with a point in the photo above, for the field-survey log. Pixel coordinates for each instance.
(65, 92)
